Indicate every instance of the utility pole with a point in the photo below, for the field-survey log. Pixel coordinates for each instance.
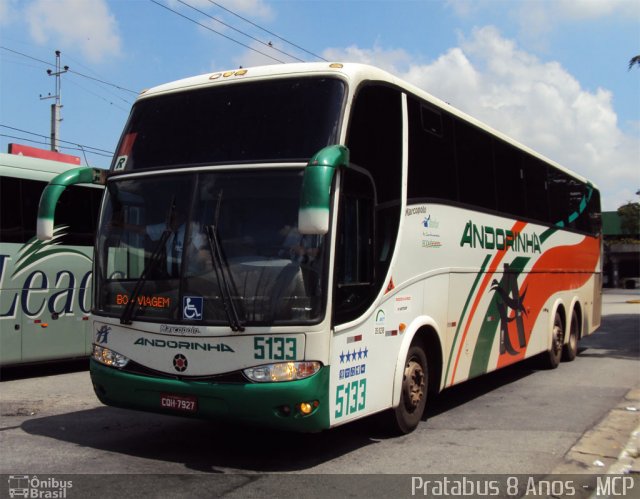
(55, 108)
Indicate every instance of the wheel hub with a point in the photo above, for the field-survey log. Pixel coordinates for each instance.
(557, 338)
(414, 384)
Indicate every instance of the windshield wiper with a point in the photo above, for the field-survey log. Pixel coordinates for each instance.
(221, 266)
(127, 313)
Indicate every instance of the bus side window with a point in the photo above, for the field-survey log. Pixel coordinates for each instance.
(432, 167)
(11, 226)
(355, 263)
(77, 209)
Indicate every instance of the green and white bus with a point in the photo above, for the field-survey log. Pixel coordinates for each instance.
(45, 288)
(299, 246)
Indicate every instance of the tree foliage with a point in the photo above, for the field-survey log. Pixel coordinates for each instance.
(630, 218)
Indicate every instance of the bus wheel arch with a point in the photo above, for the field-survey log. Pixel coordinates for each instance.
(417, 376)
(574, 330)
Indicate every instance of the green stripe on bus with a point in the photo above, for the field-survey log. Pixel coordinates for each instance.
(464, 311)
(487, 334)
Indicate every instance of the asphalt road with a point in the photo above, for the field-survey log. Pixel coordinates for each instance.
(520, 420)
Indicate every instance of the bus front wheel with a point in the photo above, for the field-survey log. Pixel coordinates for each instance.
(413, 398)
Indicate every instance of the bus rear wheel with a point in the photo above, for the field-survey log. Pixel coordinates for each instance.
(570, 350)
(553, 356)
(413, 398)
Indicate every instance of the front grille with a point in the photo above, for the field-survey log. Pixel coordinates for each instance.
(232, 377)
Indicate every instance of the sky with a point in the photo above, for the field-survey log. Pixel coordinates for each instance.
(552, 74)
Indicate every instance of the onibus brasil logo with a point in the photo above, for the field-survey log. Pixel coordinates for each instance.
(42, 488)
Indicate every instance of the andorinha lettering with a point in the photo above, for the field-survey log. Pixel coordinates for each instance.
(500, 239)
(145, 301)
(186, 345)
(60, 292)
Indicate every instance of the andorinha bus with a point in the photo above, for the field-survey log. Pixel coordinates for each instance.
(324, 242)
(45, 288)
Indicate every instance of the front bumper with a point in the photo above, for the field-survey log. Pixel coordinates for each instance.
(258, 404)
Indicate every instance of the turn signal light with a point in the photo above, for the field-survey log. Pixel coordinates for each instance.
(307, 408)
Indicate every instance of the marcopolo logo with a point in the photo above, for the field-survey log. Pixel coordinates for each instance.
(41, 488)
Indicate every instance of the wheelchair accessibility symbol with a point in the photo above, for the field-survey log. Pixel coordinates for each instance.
(192, 308)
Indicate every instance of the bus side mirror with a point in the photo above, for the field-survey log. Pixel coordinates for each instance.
(315, 202)
(53, 191)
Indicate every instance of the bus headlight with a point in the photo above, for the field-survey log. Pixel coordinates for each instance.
(283, 371)
(109, 357)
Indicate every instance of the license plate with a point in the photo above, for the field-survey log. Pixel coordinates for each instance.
(182, 403)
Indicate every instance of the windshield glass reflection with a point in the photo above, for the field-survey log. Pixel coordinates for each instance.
(217, 248)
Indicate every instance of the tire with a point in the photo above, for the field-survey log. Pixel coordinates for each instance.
(413, 399)
(570, 350)
(551, 359)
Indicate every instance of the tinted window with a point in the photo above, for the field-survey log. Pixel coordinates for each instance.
(355, 279)
(220, 238)
(509, 176)
(535, 178)
(77, 209)
(453, 160)
(592, 222)
(375, 138)
(560, 187)
(475, 166)
(432, 170)
(11, 226)
(375, 144)
(287, 119)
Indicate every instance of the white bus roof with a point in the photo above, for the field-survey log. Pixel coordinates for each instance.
(17, 166)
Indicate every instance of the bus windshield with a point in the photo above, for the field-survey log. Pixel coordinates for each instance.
(267, 121)
(199, 244)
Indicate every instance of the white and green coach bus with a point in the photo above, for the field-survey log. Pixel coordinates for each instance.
(303, 245)
(45, 287)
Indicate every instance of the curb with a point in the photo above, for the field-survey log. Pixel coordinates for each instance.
(628, 461)
(612, 446)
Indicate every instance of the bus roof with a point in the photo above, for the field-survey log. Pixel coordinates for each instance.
(353, 72)
(14, 165)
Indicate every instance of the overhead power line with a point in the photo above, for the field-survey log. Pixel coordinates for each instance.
(79, 147)
(104, 82)
(91, 149)
(267, 31)
(102, 98)
(269, 44)
(216, 32)
(119, 87)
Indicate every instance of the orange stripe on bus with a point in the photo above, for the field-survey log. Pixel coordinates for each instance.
(559, 269)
